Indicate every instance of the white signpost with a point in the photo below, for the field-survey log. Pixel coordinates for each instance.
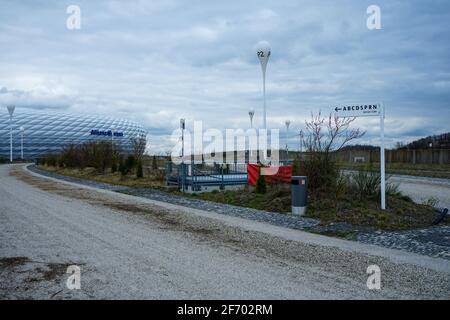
(368, 110)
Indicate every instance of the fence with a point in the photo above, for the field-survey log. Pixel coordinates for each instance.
(195, 176)
(416, 156)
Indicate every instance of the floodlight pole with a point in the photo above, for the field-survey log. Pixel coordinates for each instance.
(10, 140)
(382, 165)
(251, 113)
(264, 97)
(182, 126)
(11, 111)
(263, 53)
(183, 169)
(288, 122)
(301, 141)
(113, 129)
(21, 142)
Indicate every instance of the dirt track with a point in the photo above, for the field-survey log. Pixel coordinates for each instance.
(129, 247)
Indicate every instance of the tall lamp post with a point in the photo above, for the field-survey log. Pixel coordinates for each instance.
(22, 129)
(287, 123)
(11, 111)
(182, 127)
(183, 169)
(113, 129)
(251, 113)
(263, 53)
(301, 142)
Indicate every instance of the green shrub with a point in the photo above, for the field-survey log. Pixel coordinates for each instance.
(322, 172)
(392, 189)
(51, 160)
(261, 183)
(366, 183)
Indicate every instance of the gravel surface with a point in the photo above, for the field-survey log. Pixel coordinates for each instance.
(130, 247)
(432, 241)
(421, 189)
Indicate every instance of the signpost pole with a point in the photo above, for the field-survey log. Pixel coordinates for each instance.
(382, 164)
(366, 111)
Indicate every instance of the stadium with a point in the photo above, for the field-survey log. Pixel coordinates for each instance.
(46, 132)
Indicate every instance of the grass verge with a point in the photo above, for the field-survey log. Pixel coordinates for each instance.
(151, 179)
(401, 213)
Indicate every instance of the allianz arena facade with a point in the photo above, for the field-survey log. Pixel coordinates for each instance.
(46, 132)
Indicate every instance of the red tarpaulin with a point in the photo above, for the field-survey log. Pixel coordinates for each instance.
(283, 175)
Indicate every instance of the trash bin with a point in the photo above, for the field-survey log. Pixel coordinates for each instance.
(299, 194)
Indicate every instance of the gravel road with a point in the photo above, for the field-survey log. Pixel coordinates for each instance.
(421, 189)
(130, 247)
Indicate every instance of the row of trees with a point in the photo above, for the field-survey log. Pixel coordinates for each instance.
(100, 155)
(441, 141)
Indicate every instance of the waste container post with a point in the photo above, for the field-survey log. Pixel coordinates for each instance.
(299, 194)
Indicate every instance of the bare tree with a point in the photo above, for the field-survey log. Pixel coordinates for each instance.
(139, 144)
(325, 135)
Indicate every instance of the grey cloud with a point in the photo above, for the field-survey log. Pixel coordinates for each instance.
(157, 61)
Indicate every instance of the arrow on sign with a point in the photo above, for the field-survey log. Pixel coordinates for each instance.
(337, 109)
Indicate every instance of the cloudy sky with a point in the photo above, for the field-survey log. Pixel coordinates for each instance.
(158, 61)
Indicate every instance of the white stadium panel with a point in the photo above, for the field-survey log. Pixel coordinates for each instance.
(50, 132)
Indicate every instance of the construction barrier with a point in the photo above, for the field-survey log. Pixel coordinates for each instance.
(283, 174)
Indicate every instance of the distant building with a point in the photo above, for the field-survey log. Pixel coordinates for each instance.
(49, 132)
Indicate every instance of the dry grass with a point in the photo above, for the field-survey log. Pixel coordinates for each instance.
(401, 212)
(151, 179)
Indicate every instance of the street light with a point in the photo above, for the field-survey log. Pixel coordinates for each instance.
(22, 129)
(287, 123)
(113, 129)
(182, 126)
(183, 169)
(11, 111)
(300, 136)
(251, 113)
(263, 53)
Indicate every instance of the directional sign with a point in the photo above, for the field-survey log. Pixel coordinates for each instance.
(358, 110)
(367, 110)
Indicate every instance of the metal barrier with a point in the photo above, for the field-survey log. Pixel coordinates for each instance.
(196, 176)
